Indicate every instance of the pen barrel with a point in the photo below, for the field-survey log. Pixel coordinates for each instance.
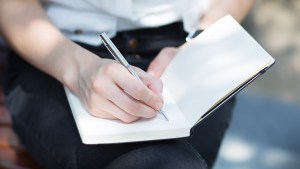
(120, 58)
(130, 69)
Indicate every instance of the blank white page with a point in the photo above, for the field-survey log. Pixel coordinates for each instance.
(95, 130)
(212, 65)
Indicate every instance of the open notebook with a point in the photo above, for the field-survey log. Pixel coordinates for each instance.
(213, 67)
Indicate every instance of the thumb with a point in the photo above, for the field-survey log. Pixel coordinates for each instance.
(154, 69)
(161, 61)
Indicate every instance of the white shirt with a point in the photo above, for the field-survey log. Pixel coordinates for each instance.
(84, 20)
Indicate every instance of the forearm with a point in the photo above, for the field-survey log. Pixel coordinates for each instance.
(27, 29)
(99, 83)
(218, 8)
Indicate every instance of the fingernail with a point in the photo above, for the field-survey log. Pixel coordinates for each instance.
(158, 105)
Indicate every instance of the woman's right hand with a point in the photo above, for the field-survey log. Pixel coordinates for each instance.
(108, 90)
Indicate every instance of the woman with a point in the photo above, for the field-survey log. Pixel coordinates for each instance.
(57, 43)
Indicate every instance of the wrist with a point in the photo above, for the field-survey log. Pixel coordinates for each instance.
(78, 62)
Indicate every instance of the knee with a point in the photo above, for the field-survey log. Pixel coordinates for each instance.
(159, 156)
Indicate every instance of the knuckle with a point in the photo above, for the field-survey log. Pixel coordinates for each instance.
(135, 109)
(150, 100)
(129, 119)
(87, 102)
(96, 112)
(101, 86)
(150, 114)
(109, 68)
(139, 92)
(97, 84)
(140, 110)
(112, 68)
(92, 110)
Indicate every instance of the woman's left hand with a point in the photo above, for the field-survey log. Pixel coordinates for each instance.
(161, 61)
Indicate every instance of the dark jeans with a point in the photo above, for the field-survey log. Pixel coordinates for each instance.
(44, 122)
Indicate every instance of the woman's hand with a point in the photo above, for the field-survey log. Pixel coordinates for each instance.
(108, 90)
(161, 61)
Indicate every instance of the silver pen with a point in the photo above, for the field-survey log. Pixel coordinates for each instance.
(119, 57)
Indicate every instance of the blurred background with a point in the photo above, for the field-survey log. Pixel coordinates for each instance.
(264, 131)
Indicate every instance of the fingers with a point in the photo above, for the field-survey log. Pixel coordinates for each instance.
(159, 64)
(109, 110)
(129, 104)
(140, 91)
(153, 83)
(114, 93)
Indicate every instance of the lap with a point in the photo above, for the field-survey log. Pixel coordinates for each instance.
(45, 125)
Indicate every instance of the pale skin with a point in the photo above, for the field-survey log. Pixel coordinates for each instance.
(106, 88)
(218, 8)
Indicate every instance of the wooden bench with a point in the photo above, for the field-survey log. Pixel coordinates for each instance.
(12, 154)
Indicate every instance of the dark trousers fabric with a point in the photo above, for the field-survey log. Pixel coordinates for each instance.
(44, 122)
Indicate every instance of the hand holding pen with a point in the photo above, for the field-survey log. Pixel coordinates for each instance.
(119, 57)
